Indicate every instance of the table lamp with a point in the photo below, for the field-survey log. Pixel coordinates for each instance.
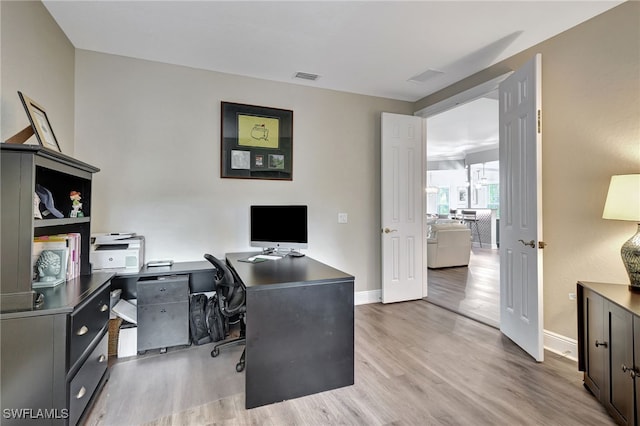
(623, 203)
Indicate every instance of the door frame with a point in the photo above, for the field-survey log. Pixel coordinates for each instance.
(458, 99)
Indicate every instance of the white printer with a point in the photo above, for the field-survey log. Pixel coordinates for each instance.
(117, 251)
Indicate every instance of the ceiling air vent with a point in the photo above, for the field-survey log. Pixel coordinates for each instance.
(428, 74)
(306, 76)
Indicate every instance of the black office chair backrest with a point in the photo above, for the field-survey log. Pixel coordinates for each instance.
(231, 294)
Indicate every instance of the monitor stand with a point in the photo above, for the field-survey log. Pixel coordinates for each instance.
(275, 252)
(271, 252)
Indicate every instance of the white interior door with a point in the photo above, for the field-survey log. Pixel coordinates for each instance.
(521, 313)
(402, 207)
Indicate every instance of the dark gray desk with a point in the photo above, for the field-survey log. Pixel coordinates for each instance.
(200, 274)
(300, 328)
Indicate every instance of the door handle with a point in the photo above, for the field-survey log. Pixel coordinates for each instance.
(531, 243)
(387, 230)
(601, 344)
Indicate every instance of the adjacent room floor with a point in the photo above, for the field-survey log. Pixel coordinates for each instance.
(473, 291)
(416, 364)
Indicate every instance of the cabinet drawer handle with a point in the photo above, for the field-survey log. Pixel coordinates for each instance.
(601, 344)
(81, 393)
(104, 308)
(163, 289)
(632, 372)
(83, 330)
(101, 359)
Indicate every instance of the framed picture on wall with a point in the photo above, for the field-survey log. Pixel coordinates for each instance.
(40, 123)
(256, 142)
(462, 196)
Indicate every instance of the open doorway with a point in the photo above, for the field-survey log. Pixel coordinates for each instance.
(462, 205)
(520, 194)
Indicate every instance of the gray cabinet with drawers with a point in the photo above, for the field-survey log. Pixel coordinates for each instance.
(53, 352)
(163, 312)
(609, 347)
(87, 351)
(54, 359)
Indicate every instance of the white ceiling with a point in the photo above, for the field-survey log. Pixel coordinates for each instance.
(467, 128)
(366, 47)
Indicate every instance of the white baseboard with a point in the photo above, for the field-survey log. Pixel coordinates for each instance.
(561, 345)
(553, 342)
(365, 297)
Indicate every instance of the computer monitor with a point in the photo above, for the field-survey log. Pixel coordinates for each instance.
(279, 227)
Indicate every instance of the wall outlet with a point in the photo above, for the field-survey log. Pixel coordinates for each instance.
(572, 296)
(343, 218)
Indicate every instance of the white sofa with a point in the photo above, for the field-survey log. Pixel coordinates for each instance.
(449, 244)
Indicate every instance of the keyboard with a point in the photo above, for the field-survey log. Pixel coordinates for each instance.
(264, 256)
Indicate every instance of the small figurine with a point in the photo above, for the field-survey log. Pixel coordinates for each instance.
(76, 205)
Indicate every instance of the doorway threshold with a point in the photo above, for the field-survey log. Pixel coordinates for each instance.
(476, 317)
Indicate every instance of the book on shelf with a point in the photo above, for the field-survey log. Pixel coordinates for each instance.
(67, 245)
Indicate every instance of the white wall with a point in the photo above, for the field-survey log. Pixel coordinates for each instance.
(154, 131)
(38, 60)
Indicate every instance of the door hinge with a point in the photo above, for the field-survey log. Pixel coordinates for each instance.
(539, 122)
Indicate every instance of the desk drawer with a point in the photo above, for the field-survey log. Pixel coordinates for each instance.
(163, 325)
(86, 324)
(86, 380)
(163, 290)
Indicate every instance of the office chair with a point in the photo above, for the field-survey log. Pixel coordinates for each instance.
(231, 298)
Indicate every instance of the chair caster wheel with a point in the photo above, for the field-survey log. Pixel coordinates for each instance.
(215, 352)
(240, 367)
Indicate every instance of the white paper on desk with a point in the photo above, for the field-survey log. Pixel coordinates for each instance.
(127, 311)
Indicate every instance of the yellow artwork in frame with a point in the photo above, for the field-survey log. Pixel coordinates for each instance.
(256, 131)
(256, 142)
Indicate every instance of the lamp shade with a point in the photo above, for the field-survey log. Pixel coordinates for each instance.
(623, 198)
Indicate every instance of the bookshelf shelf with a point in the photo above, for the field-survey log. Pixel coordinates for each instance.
(23, 167)
(48, 223)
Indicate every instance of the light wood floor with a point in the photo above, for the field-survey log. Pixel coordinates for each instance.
(415, 364)
(473, 291)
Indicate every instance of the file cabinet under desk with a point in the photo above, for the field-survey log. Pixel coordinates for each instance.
(163, 312)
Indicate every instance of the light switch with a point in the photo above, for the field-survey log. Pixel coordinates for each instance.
(343, 218)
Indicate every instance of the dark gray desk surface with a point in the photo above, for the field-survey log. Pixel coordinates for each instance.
(617, 293)
(176, 268)
(65, 297)
(200, 274)
(283, 272)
